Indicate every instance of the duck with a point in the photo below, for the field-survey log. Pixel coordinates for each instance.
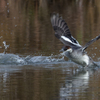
(71, 49)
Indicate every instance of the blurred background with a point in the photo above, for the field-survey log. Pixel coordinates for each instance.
(25, 29)
(25, 24)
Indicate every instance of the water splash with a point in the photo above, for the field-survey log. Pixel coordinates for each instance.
(16, 59)
(5, 45)
(12, 59)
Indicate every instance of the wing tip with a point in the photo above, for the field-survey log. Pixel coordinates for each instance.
(59, 24)
(98, 37)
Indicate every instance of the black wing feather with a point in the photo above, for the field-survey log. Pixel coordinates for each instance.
(90, 42)
(61, 28)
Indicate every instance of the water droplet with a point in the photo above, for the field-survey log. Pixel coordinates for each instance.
(0, 37)
(94, 53)
(8, 11)
(15, 25)
(6, 46)
(7, 3)
(95, 47)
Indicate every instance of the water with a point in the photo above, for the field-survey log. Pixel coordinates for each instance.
(31, 66)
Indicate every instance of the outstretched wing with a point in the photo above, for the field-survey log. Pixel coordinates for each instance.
(90, 42)
(62, 32)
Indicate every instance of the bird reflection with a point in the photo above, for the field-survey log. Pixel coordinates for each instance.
(76, 85)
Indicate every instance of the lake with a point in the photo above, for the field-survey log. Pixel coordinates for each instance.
(31, 66)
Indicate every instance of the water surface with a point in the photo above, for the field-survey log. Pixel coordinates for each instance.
(31, 66)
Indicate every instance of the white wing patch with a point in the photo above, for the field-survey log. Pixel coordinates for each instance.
(66, 39)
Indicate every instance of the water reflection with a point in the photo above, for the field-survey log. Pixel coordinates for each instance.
(75, 85)
(48, 82)
(28, 83)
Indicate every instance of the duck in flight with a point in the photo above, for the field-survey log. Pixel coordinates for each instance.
(72, 49)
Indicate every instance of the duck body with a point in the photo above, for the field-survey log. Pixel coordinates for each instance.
(78, 57)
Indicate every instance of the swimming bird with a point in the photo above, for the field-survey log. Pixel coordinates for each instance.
(72, 49)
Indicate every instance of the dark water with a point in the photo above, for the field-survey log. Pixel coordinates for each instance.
(31, 66)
